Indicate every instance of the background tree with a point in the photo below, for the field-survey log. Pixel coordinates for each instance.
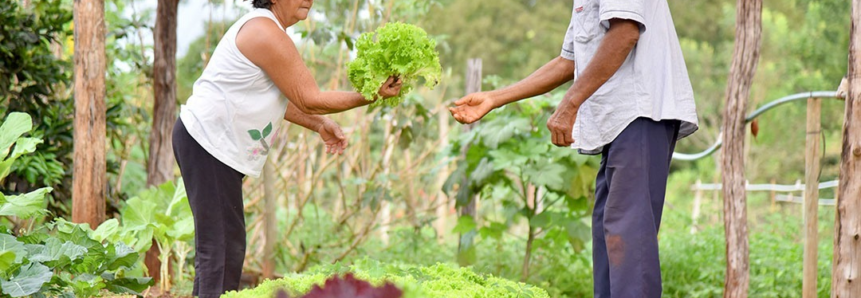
(847, 233)
(88, 192)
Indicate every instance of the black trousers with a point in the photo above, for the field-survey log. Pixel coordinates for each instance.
(215, 195)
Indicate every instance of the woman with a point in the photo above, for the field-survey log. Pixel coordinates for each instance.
(225, 129)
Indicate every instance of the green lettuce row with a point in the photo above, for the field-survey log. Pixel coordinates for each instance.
(440, 280)
(396, 49)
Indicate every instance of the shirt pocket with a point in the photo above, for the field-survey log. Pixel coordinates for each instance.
(587, 19)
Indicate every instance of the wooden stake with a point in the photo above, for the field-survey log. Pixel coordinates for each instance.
(811, 197)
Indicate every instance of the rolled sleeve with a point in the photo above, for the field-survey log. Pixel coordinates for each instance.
(568, 43)
(633, 10)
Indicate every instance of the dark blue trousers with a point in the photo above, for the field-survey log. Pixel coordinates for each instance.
(629, 198)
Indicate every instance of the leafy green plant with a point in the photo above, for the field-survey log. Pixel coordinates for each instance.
(12, 147)
(396, 49)
(510, 160)
(59, 258)
(162, 214)
(440, 280)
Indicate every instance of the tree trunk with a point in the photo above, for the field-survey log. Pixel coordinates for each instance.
(160, 163)
(845, 281)
(88, 188)
(745, 58)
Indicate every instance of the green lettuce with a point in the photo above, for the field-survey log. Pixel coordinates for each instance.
(396, 49)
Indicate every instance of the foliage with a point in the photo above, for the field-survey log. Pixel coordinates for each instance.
(440, 280)
(510, 161)
(396, 49)
(59, 258)
(161, 213)
(34, 80)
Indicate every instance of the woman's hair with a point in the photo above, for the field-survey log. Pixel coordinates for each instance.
(267, 4)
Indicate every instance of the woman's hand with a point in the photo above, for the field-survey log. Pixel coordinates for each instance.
(391, 88)
(332, 136)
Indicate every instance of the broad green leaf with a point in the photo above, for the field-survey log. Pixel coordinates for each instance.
(7, 258)
(106, 230)
(87, 285)
(481, 172)
(502, 129)
(464, 224)
(494, 230)
(9, 243)
(182, 230)
(583, 183)
(57, 253)
(120, 255)
(578, 234)
(26, 205)
(179, 206)
(16, 124)
(541, 220)
(143, 239)
(28, 280)
(138, 214)
(546, 174)
(126, 285)
(78, 234)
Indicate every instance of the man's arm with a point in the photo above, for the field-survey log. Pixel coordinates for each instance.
(612, 52)
(553, 74)
(550, 76)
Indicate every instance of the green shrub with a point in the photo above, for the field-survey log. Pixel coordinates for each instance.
(59, 258)
(440, 280)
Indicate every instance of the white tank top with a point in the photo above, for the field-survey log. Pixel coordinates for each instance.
(235, 109)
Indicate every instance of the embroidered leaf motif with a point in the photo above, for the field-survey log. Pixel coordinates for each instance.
(255, 134)
(267, 130)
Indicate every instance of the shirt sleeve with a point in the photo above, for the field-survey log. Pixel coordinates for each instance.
(568, 44)
(633, 10)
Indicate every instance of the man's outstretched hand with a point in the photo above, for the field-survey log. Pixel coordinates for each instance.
(472, 107)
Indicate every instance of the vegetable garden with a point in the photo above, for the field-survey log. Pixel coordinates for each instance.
(417, 206)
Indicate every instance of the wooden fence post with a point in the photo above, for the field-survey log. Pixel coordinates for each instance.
(811, 196)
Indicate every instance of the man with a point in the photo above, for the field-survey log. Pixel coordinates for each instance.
(631, 101)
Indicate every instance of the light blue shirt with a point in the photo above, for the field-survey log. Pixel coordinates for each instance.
(652, 82)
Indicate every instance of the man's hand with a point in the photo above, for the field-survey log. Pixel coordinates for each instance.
(332, 136)
(561, 126)
(472, 107)
(391, 88)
